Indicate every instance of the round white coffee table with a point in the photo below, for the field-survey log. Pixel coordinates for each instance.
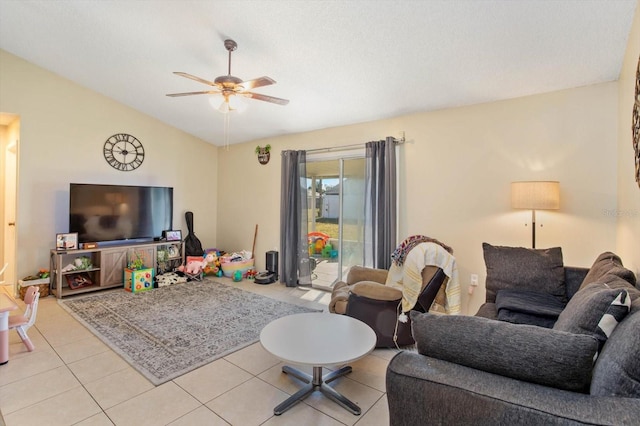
(318, 339)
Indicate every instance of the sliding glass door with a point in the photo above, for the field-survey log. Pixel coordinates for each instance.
(336, 215)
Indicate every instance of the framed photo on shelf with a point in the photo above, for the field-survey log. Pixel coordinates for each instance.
(173, 251)
(170, 235)
(76, 281)
(67, 241)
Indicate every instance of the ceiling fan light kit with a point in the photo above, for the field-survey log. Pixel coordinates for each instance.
(231, 88)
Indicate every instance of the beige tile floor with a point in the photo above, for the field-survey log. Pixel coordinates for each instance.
(72, 378)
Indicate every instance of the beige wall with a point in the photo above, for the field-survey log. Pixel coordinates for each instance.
(628, 208)
(62, 133)
(455, 172)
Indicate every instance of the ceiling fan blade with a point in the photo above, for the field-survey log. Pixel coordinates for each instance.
(265, 98)
(257, 82)
(204, 92)
(193, 77)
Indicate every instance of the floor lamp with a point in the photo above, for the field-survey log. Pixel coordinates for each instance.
(535, 195)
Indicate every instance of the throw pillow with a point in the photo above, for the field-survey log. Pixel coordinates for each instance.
(524, 352)
(617, 371)
(606, 268)
(539, 270)
(595, 310)
(528, 307)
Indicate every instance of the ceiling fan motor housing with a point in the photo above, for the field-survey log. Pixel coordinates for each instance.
(228, 81)
(230, 45)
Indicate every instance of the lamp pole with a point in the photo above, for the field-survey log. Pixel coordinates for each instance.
(533, 229)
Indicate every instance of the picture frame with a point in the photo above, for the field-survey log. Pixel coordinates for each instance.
(67, 241)
(173, 235)
(76, 281)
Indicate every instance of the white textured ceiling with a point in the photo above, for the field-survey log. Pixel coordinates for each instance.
(339, 62)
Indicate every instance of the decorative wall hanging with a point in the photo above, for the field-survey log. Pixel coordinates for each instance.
(123, 152)
(635, 127)
(263, 153)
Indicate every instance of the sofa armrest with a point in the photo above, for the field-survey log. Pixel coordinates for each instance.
(361, 273)
(425, 390)
(525, 352)
(377, 291)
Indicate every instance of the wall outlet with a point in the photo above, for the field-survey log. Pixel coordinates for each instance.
(474, 279)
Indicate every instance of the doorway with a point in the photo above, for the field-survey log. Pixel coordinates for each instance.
(336, 215)
(9, 149)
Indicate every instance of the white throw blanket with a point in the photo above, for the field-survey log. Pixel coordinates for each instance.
(408, 277)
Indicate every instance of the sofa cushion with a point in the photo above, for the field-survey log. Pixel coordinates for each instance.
(525, 352)
(526, 269)
(589, 306)
(606, 268)
(528, 307)
(617, 370)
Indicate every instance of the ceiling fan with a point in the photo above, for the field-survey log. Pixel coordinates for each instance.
(230, 86)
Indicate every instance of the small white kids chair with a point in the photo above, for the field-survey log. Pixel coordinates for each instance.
(22, 322)
(2, 272)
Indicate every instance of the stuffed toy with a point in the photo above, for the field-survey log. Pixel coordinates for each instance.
(195, 265)
(212, 267)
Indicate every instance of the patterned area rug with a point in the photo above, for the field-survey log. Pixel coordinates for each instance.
(172, 330)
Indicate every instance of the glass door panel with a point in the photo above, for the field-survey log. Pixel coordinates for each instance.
(336, 206)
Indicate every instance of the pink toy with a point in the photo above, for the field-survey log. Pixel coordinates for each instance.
(195, 265)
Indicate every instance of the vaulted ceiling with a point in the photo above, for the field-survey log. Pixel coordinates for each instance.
(338, 62)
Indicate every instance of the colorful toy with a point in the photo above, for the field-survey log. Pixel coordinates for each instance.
(212, 267)
(237, 276)
(326, 251)
(317, 241)
(250, 274)
(137, 280)
(195, 265)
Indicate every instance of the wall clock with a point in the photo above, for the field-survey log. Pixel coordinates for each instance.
(123, 152)
(635, 128)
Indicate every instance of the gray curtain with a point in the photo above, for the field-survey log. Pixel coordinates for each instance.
(380, 203)
(294, 252)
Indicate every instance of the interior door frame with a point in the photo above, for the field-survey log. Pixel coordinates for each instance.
(10, 160)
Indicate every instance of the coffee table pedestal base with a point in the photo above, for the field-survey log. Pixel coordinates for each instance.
(317, 382)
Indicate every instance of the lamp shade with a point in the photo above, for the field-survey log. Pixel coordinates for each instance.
(535, 195)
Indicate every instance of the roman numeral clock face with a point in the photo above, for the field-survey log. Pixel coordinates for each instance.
(123, 152)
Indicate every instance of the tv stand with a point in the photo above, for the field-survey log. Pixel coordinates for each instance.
(107, 265)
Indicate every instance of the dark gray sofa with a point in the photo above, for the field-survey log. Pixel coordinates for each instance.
(476, 370)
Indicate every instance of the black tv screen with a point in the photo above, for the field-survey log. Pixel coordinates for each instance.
(102, 213)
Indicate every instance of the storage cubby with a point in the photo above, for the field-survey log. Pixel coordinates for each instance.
(168, 257)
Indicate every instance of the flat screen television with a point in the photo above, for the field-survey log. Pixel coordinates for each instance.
(119, 213)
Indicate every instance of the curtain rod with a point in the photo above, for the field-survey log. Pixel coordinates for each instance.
(356, 145)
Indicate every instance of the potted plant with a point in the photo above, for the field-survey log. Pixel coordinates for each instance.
(136, 261)
(263, 153)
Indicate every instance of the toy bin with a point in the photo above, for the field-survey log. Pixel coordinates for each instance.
(138, 280)
(42, 284)
(228, 268)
